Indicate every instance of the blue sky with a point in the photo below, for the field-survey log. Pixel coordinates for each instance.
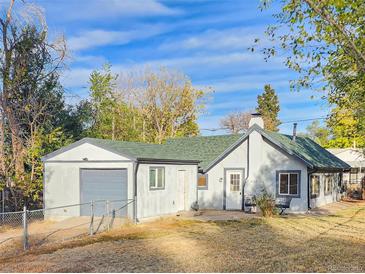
(207, 40)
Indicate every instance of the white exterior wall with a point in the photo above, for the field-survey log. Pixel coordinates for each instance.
(62, 177)
(212, 197)
(349, 155)
(151, 203)
(89, 151)
(323, 198)
(265, 160)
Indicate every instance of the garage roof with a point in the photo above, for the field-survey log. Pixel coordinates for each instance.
(132, 150)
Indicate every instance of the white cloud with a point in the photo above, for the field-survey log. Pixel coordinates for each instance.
(213, 39)
(75, 77)
(111, 9)
(217, 62)
(99, 37)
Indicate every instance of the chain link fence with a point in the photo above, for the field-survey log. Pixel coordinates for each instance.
(57, 224)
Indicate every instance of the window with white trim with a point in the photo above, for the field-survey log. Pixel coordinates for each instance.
(354, 175)
(202, 181)
(315, 186)
(157, 178)
(288, 183)
(328, 184)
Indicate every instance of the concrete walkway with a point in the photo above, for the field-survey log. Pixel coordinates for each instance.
(332, 208)
(217, 215)
(228, 215)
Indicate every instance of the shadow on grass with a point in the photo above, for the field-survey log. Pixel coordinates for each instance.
(291, 244)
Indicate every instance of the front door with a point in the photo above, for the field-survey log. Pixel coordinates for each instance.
(233, 188)
(183, 186)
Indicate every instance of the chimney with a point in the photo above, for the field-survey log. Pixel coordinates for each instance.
(256, 119)
(294, 132)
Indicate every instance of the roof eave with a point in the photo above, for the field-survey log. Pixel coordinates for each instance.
(229, 149)
(288, 151)
(331, 169)
(81, 142)
(158, 160)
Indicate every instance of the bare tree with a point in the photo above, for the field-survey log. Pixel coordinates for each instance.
(167, 100)
(236, 122)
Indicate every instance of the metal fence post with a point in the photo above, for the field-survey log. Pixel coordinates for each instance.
(92, 218)
(107, 206)
(25, 229)
(134, 210)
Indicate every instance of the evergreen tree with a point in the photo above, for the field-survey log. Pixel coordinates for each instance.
(268, 106)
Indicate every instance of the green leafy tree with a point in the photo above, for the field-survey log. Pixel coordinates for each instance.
(31, 101)
(268, 106)
(344, 128)
(318, 133)
(150, 106)
(324, 42)
(106, 114)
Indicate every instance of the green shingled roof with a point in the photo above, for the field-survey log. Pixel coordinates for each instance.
(207, 149)
(140, 150)
(309, 151)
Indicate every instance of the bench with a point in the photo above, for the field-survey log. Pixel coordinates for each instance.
(282, 204)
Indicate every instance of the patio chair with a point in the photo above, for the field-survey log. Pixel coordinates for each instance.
(250, 204)
(282, 204)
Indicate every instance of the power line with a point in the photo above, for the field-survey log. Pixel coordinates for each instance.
(305, 120)
(285, 122)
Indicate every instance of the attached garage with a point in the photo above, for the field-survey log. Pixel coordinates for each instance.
(115, 174)
(99, 185)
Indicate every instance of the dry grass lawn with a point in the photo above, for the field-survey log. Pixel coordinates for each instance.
(306, 243)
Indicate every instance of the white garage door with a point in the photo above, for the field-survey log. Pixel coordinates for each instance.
(103, 184)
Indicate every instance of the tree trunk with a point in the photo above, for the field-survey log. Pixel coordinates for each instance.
(2, 146)
(143, 130)
(113, 127)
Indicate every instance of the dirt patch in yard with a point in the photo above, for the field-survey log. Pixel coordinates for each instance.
(306, 243)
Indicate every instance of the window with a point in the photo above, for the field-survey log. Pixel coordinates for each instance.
(288, 183)
(328, 184)
(354, 172)
(235, 180)
(157, 178)
(363, 170)
(315, 183)
(203, 181)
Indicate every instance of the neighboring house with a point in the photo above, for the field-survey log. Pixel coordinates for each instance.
(356, 159)
(215, 171)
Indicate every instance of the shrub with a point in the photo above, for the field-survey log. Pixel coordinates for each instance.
(266, 204)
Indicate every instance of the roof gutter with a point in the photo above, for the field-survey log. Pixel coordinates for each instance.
(167, 161)
(247, 172)
(135, 170)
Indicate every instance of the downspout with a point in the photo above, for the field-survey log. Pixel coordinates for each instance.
(308, 187)
(247, 172)
(136, 165)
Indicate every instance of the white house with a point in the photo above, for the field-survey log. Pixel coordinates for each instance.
(356, 159)
(214, 171)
